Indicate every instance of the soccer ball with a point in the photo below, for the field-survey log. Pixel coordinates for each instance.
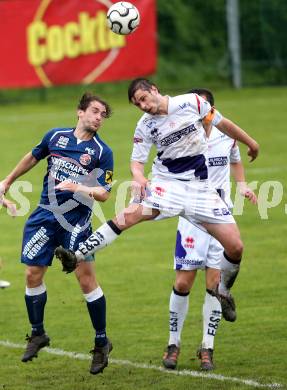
(123, 18)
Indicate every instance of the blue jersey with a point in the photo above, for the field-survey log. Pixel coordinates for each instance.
(82, 162)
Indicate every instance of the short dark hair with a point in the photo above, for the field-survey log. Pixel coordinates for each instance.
(86, 100)
(140, 83)
(203, 91)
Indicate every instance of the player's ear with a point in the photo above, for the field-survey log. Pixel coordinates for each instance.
(154, 89)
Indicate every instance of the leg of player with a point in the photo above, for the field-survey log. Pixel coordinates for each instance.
(211, 313)
(229, 237)
(96, 304)
(36, 298)
(178, 308)
(104, 235)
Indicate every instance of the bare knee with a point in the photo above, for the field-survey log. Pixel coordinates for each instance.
(34, 276)
(184, 281)
(129, 216)
(130, 220)
(134, 214)
(87, 284)
(86, 277)
(236, 251)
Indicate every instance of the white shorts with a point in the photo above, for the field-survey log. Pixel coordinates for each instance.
(193, 200)
(195, 249)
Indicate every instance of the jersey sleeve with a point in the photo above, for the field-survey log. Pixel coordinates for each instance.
(213, 117)
(106, 167)
(217, 116)
(235, 153)
(142, 146)
(41, 150)
(201, 106)
(208, 114)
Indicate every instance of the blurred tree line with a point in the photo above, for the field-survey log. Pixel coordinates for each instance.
(193, 41)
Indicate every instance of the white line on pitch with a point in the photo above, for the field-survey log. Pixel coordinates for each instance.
(265, 170)
(197, 374)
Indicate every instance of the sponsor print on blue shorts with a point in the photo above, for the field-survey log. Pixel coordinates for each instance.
(43, 233)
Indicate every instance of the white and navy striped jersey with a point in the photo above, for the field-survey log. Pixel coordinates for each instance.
(222, 150)
(179, 137)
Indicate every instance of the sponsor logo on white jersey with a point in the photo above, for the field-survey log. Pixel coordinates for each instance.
(174, 137)
(219, 161)
(155, 134)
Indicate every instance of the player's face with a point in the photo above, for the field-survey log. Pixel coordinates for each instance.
(92, 119)
(147, 101)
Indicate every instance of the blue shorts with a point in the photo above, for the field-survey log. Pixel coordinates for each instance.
(43, 232)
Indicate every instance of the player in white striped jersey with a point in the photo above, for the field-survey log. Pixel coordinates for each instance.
(177, 126)
(196, 249)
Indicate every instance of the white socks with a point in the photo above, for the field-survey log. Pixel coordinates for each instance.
(102, 237)
(229, 272)
(211, 312)
(32, 291)
(94, 295)
(178, 308)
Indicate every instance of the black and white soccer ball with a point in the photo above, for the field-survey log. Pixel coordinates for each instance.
(123, 18)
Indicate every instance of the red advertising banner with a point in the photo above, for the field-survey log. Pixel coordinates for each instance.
(53, 42)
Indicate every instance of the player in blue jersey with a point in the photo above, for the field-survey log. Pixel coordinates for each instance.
(78, 161)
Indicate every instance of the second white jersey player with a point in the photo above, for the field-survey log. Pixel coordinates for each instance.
(196, 249)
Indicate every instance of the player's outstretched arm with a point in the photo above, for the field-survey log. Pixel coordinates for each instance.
(98, 193)
(24, 165)
(237, 170)
(235, 132)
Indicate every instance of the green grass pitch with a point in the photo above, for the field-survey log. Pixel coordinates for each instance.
(136, 271)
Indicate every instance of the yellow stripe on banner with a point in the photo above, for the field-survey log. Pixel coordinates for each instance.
(42, 9)
(42, 76)
(107, 3)
(102, 67)
(38, 69)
